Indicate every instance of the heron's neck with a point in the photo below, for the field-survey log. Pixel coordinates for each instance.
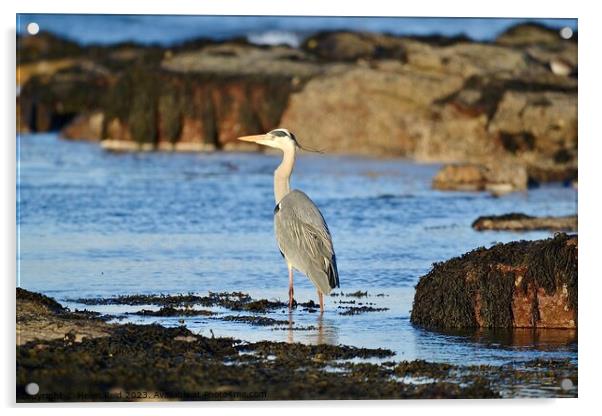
(282, 174)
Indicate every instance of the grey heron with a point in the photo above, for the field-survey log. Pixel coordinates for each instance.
(301, 232)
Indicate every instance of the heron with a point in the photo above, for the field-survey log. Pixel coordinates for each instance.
(303, 237)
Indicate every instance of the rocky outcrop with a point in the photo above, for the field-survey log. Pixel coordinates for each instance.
(498, 178)
(191, 100)
(528, 34)
(524, 284)
(523, 222)
(458, 102)
(430, 99)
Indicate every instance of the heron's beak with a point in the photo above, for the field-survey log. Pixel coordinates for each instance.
(259, 138)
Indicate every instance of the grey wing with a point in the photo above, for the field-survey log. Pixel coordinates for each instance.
(304, 240)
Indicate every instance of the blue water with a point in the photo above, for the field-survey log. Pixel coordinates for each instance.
(170, 29)
(94, 223)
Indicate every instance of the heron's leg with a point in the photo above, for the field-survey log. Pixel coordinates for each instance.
(291, 291)
(321, 297)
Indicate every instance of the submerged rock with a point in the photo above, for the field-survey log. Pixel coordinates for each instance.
(521, 284)
(522, 222)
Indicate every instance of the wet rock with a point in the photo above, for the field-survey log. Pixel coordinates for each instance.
(256, 320)
(356, 310)
(154, 363)
(357, 294)
(297, 351)
(42, 318)
(170, 311)
(497, 178)
(236, 301)
(518, 284)
(422, 368)
(522, 222)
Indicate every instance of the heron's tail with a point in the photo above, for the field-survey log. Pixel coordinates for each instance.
(326, 278)
(333, 273)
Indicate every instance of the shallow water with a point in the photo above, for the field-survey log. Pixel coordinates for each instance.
(94, 223)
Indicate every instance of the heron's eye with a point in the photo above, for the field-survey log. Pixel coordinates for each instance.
(278, 133)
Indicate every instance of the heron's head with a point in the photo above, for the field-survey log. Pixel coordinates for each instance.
(280, 139)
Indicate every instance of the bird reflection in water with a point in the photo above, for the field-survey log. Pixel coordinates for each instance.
(323, 332)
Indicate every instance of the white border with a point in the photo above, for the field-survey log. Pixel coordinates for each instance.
(589, 188)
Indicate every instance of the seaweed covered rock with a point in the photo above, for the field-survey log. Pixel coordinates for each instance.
(50, 100)
(523, 222)
(520, 284)
(151, 362)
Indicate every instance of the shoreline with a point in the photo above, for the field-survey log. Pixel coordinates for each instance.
(78, 356)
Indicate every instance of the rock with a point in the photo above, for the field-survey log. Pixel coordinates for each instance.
(43, 67)
(42, 318)
(545, 171)
(522, 222)
(561, 67)
(86, 126)
(50, 100)
(524, 284)
(244, 60)
(445, 100)
(501, 177)
(460, 178)
(352, 46)
(372, 111)
(529, 34)
(548, 118)
(45, 46)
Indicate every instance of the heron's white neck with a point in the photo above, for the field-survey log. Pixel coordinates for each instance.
(282, 174)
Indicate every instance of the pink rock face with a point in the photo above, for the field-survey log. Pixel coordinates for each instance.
(554, 310)
(524, 307)
(538, 309)
(533, 307)
(520, 284)
(192, 130)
